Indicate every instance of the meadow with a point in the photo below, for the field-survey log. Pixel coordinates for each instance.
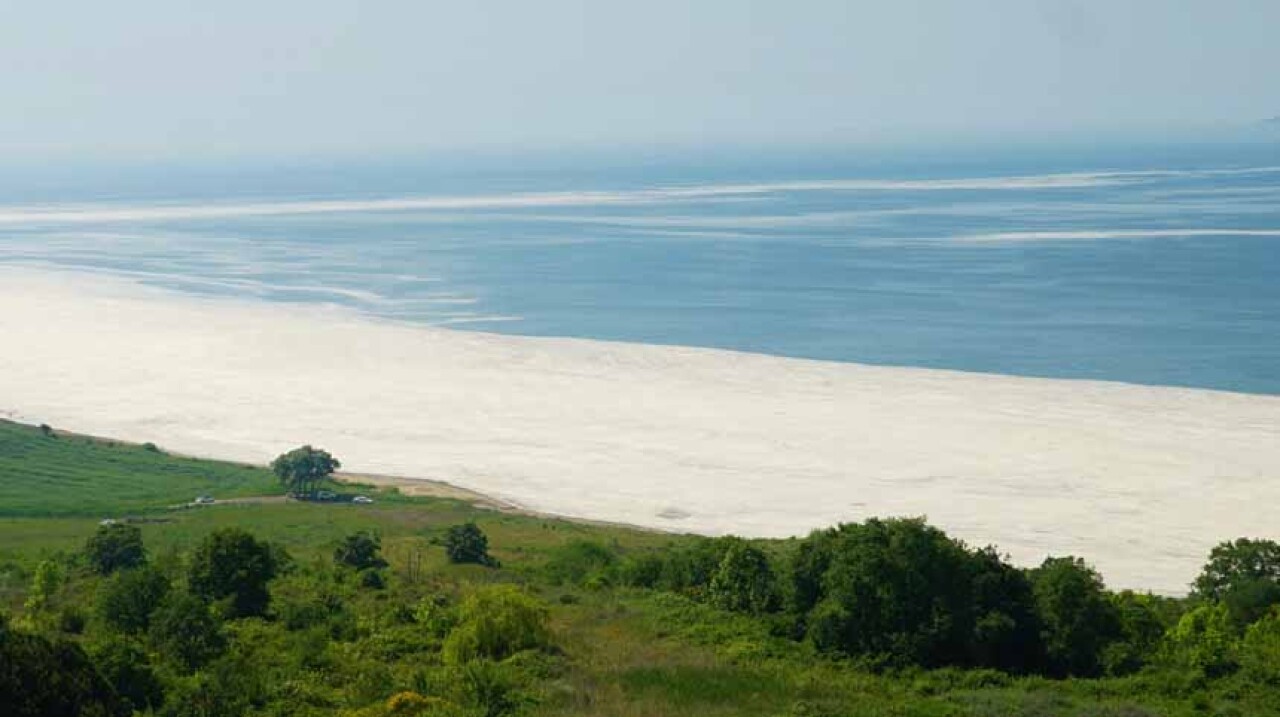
(606, 629)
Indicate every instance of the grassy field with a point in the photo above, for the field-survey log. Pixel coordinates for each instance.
(50, 474)
(624, 651)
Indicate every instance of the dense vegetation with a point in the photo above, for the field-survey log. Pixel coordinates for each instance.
(433, 607)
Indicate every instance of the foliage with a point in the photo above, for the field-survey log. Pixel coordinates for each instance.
(127, 669)
(302, 469)
(579, 562)
(186, 632)
(116, 546)
(1079, 621)
(650, 636)
(466, 543)
(1203, 640)
(127, 601)
(41, 677)
(899, 592)
(360, 550)
(231, 565)
(48, 578)
(496, 622)
(1237, 563)
(744, 581)
(1143, 622)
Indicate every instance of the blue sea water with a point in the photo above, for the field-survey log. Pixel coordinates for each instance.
(1154, 265)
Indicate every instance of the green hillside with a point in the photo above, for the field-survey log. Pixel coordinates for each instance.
(57, 474)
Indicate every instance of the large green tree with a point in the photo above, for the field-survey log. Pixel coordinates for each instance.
(897, 591)
(233, 567)
(302, 469)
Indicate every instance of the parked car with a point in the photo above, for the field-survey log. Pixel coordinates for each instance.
(326, 495)
(204, 500)
(362, 499)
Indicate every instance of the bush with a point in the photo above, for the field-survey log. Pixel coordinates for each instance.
(115, 546)
(744, 581)
(496, 622)
(466, 543)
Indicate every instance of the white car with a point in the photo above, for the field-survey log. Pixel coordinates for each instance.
(362, 499)
(204, 500)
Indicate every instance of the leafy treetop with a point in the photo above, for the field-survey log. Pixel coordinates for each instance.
(302, 469)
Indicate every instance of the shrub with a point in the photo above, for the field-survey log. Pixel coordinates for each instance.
(744, 582)
(466, 543)
(496, 622)
(360, 551)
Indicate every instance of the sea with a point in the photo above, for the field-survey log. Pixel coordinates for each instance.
(1146, 263)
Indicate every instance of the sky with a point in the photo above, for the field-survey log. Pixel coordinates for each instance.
(172, 78)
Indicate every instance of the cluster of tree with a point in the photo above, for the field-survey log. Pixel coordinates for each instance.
(894, 593)
(169, 639)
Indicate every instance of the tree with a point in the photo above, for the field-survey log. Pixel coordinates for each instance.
(127, 601)
(1144, 620)
(115, 546)
(231, 565)
(302, 469)
(360, 550)
(898, 591)
(1234, 564)
(1006, 628)
(1245, 576)
(1079, 620)
(41, 677)
(744, 581)
(186, 632)
(466, 543)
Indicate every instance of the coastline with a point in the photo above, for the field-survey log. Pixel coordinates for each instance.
(1141, 481)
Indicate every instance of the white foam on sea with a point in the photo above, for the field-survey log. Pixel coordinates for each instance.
(111, 213)
(1140, 480)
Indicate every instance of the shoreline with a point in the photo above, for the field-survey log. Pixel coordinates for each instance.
(1142, 481)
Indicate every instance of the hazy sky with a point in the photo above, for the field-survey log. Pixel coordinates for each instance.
(175, 78)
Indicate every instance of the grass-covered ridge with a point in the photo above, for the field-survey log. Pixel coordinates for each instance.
(50, 473)
(565, 618)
